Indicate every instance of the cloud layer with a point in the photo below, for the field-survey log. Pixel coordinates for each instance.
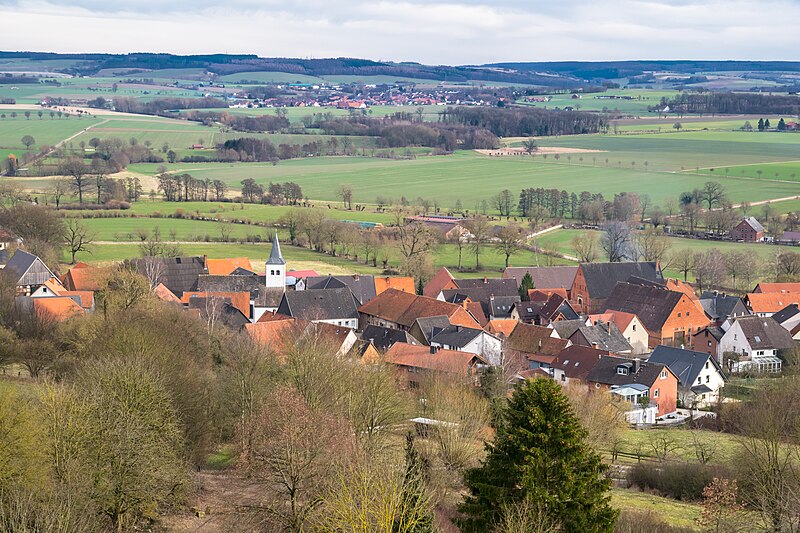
(458, 32)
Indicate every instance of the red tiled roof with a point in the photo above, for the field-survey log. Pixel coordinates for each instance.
(57, 308)
(223, 267)
(791, 288)
(164, 294)
(501, 326)
(440, 281)
(404, 284)
(771, 302)
(403, 308)
(415, 356)
(86, 297)
(240, 300)
(85, 278)
(530, 339)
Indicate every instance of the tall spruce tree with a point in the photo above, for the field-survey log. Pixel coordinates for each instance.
(525, 285)
(540, 453)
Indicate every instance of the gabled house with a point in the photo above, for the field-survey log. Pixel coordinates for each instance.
(225, 267)
(633, 380)
(670, 317)
(471, 340)
(398, 310)
(491, 307)
(210, 299)
(219, 309)
(27, 272)
(423, 328)
(415, 364)
(574, 363)
(178, 274)
(279, 335)
(766, 304)
(707, 340)
(363, 287)
(603, 335)
(544, 278)
(594, 282)
(533, 346)
(57, 309)
(748, 230)
(501, 328)
(401, 283)
(384, 338)
(332, 306)
(720, 306)
(754, 343)
(85, 278)
(629, 325)
(442, 280)
(700, 376)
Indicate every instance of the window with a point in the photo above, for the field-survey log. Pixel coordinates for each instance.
(634, 327)
(709, 344)
(655, 393)
(707, 361)
(563, 377)
(622, 371)
(663, 374)
(679, 315)
(687, 313)
(708, 379)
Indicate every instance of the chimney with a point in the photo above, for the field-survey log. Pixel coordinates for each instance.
(356, 277)
(458, 328)
(205, 262)
(540, 343)
(485, 280)
(636, 363)
(434, 349)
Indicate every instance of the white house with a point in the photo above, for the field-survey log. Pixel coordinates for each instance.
(629, 325)
(469, 340)
(753, 343)
(700, 376)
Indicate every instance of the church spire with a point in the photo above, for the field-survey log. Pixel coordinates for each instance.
(275, 256)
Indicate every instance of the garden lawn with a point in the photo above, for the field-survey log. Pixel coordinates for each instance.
(672, 512)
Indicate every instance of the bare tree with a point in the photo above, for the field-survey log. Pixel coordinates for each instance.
(713, 194)
(77, 237)
(511, 240)
(616, 241)
(683, 261)
(652, 245)
(504, 203)
(586, 247)
(480, 234)
(345, 193)
(77, 171)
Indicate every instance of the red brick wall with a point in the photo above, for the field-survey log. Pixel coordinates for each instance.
(667, 400)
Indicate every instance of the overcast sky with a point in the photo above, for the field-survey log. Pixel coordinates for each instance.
(457, 32)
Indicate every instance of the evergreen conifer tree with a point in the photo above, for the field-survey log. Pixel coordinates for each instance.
(525, 284)
(540, 455)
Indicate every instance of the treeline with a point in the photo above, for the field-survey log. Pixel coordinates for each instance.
(401, 130)
(261, 123)
(731, 103)
(161, 105)
(521, 122)
(186, 188)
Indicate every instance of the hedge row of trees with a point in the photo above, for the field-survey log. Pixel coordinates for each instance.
(525, 122)
(731, 103)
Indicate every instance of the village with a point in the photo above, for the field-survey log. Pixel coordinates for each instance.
(658, 346)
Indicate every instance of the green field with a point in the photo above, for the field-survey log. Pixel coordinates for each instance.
(788, 171)
(470, 177)
(642, 99)
(672, 512)
(44, 130)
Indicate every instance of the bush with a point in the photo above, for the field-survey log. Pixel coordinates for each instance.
(638, 521)
(680, 481)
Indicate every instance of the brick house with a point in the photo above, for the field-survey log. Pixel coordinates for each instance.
(594, 282)
(670, 317)
(748, 230)
(656, 381)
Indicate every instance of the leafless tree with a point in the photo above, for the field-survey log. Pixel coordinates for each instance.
(586, 247)
(616, 241)
(480, 235)
(511, 240)
(77, 170)
(77, 237)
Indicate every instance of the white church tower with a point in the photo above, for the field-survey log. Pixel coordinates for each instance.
(276, 267)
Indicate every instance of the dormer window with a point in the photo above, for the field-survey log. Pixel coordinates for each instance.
(622, 370)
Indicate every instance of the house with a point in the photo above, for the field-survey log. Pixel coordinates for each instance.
(401, 283)
(677, 285)
(165, 295)
(748, 230)
(57, 309)
(533, 346)
(239, 300)
(766, 304)
(85, 278)
(279, 335)
(594, 282)
(416, 363)
(754, 343)
(384, 338)
(52, 288)
(221, 309)
(398, 310)
(629, 325)
(707, 340)
(790, 237)
(603, 335)
(634, 380)
(574, 363)
(720, 307)
(700, 376)
(471, 340)
(485, 305)
(552, 277)
(27, 272)
(422, 329)
(331, 306)
(670, 317)
(8, 242)
(364, 351)
(554, 309)
(363, 287)
(785, 288)
(789, 319)
(440, 281)
(178, 274)
(501, 328)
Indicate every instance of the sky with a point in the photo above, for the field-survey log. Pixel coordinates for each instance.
(434, 32)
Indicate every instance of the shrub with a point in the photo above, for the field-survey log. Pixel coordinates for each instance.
(680, 481)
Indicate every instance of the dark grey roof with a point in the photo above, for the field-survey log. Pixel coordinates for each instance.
(179, 274)
(384, 338)
(243, 272)
(653, 305)
(528, 311)
(26, 269)
(427, 324)
(566, 328)
(764, 333)
(4, 256)
(500, 306)
(601, 278)
(605, 372)
(229, 315)
(606, 336)
(454, 336)
(701, 389)
(275, 255)
(686, 364)
(720, 306)
(715, 331)
(556, 277)
(495, 286)
(558, 304)
(252, 284)
(363, 287)
(320, 304)
(786, 313)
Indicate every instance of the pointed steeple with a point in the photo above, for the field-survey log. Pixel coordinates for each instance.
(275, 256)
